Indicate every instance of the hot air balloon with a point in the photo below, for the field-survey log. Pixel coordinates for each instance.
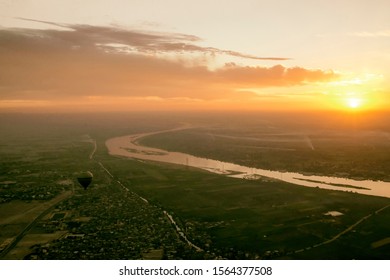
(85, 178)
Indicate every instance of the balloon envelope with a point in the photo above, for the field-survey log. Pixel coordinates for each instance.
(85, 178)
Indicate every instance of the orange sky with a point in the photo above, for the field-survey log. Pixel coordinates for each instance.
(49, 65)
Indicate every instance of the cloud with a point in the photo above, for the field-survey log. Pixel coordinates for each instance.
(372, 34)
(277, 75)
(142, 41)
(71, 65)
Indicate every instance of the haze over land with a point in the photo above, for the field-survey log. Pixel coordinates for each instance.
(45, 214)
(277, 86)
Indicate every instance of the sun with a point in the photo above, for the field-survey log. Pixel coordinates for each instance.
(354, 102)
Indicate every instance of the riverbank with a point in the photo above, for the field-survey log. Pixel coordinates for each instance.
(128, 146)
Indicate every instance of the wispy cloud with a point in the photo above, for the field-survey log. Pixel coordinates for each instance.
(141, 41)
(372, 34)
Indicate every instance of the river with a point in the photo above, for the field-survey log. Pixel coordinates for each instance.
(128, 146)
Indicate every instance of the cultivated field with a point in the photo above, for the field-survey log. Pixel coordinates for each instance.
(124, 213)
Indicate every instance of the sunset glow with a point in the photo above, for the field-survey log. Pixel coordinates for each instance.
(354, 102)
(225, 132)
(57, 60)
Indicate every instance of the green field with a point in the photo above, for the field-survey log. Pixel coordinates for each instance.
(238, 219)
(361, 154)
(226, 217)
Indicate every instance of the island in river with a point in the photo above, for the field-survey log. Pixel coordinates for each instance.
(142, 208)
(129, 146)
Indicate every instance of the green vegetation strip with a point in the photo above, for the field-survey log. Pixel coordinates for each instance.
(333, 184)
